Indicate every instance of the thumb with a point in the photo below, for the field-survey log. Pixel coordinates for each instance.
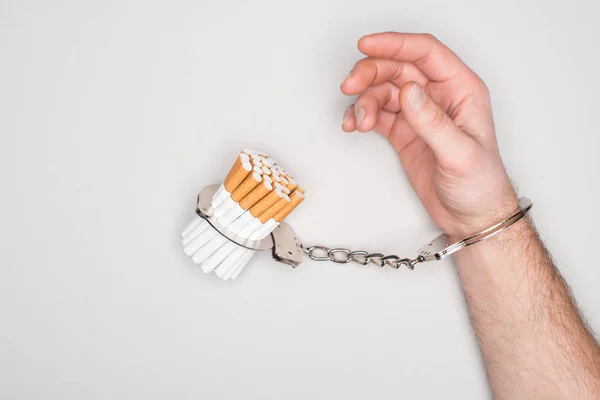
(432, 124)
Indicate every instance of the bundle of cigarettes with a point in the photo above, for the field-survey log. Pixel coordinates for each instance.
(254, 198)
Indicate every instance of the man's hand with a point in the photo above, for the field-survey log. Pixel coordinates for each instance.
(436, 114)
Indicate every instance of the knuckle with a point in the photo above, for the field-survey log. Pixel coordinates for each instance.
(478, 86)
(430, 37)
(482, 87)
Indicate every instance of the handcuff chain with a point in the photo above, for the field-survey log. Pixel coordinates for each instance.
(437, 249)
(343, 256)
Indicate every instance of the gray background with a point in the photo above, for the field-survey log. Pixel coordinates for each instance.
(115, 113)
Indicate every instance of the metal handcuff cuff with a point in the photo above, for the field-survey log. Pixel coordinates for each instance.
(286, 248)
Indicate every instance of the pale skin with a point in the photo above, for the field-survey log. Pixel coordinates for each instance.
(436, 114)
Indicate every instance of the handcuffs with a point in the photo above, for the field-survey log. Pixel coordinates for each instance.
(286, 248)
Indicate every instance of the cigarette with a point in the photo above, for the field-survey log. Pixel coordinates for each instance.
(227, 266)
(236, 219)
(267, 162)
(199, 241)
(248, 201)
(231, 215)
(222, 208)
(264, 230)
(233, 264)
(281, 171)
(203, 253)
(295, 199)
(267, 178)
(194, 233)
(239, 267)
(238, 172)
(251, 181)
(291, 184)
(298, 188)
(266, 202)
(241, 223)
(283, 188)
(249, 229)
(260, 191)
(220, 195)
(275, 175)
(249, 151)
(274, 209)
(191, 226)
(266, 170)
(218, 256)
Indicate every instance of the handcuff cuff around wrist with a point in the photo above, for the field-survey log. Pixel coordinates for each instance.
(287, 249)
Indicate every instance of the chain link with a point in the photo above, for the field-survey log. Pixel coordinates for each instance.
(344, 256)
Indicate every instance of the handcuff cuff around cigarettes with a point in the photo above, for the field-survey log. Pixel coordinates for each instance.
(245, 214)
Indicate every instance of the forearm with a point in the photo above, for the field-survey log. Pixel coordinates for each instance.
(532, 337)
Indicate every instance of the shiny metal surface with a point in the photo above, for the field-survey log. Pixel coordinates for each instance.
(439, 248)
(344, 256)
(434, 250)
(287, 248)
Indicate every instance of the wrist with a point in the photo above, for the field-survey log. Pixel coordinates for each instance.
(467, 227)
(514, 239)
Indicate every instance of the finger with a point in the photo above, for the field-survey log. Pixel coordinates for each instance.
(385, 122)
(433, 125)
(371, 101)
(386, 94)
(401, 134)
(395, 128)
(433, 58)
(349, 122)
(372, 71)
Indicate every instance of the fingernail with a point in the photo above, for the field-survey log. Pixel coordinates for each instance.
(416, 97)
(350, 73)
(360, 115)
(347, 114)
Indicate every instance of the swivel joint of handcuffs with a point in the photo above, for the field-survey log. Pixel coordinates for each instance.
(246, 213)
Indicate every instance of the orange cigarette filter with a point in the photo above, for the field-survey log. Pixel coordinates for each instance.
(238, 172)
(266, 170)
(266, 202)
(291, 185)
(251, 181)
(295, 199)
(256, 194)
(275, 176)
(274, 209)
(298, 188)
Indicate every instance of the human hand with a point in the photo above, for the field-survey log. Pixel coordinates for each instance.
(436, 114)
